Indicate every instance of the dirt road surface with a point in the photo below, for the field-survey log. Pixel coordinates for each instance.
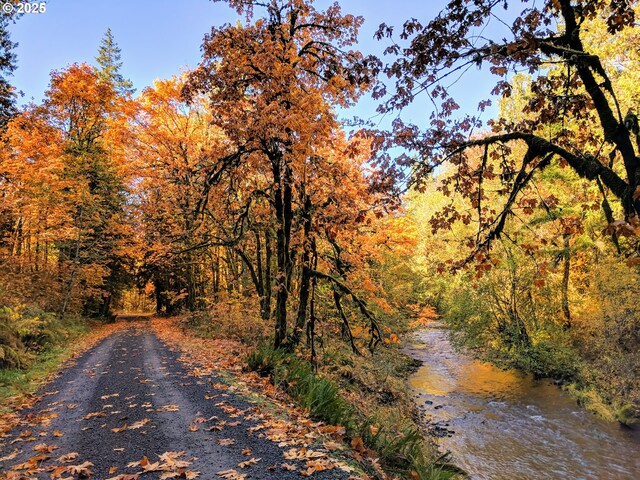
(127, 402)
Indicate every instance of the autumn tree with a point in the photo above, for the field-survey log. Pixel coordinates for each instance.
(171, 146)
(64, 194)
(273, 85)
(573, 113)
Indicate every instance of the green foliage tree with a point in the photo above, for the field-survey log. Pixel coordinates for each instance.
(7, 67)
(109, 64)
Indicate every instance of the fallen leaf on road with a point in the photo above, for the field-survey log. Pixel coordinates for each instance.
(151, 467)
(231, 475)
(171, 462)
(56, 473)
(43, 448)
(169, 408)
(302, 454)
(32, 463)
(68, 457)
(11, 456)
(225, 442)
(248, 463)
(91, 415)
(139, 424)
(81, 470)
(187, 474)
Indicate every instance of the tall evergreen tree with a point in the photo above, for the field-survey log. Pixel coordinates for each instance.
(7, 66)
(109, 65)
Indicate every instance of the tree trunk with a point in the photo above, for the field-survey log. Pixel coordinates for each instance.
(565, 283)
(305, 280)
(268, 254)
(282, 203)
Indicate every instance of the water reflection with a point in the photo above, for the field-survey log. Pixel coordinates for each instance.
(505, 425)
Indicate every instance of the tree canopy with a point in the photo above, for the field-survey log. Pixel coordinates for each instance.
(572, 110)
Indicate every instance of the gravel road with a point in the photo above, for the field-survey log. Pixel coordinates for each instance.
(129, 399)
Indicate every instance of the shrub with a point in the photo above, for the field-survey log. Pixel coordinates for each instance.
(236, 318)
(26, 332)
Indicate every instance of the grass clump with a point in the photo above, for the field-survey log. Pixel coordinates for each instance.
(317, 394)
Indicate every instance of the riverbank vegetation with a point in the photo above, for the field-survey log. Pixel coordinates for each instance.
(234, 195)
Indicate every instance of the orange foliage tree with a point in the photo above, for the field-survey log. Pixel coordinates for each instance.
(171, 146)
(273, 85)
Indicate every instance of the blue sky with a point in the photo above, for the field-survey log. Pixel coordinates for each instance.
(160, 38)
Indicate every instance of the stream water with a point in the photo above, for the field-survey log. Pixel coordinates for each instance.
(501, 424)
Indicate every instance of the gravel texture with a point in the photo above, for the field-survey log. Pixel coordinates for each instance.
(133, 379)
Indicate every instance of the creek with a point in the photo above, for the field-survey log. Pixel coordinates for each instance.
(502, 424)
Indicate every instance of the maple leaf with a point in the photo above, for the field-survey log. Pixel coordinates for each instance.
(43, 448)
(357, 444)
(231, 475)
(248, 463)
(91, 415)
(82, 470)
(333, 446)
(151, 467)
(137, 425)
(225, 442)
(58, 472)
(169, 457)
(169, 408)
(68, 457)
